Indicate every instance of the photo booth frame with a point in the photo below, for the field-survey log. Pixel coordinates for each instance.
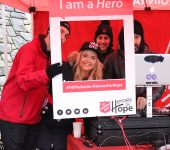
(109, 97)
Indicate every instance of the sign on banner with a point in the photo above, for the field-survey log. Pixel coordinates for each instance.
(151, 4)
(74, 99)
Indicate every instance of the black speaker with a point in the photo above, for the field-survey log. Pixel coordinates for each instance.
(106, 132)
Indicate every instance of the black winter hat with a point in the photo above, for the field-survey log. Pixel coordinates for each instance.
(104, 28)
(66, 25)
(93, 47)
(138, 29)
(121, 39)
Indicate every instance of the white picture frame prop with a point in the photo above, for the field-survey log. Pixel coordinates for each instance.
(77, 99)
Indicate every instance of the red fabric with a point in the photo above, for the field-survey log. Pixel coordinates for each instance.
(58, 9)
(164, 101)
(155, 23)
(81, 31)
(26, 87)
(76, 144)
(41, 22)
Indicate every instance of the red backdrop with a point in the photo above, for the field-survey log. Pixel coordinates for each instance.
(156, 24)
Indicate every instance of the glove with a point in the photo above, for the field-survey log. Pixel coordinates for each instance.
(54, 70)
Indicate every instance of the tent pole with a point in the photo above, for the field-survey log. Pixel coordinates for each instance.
(32, 25)
(5, 40)
(32, 10)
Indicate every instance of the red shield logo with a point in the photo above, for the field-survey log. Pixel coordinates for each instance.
(105, 107)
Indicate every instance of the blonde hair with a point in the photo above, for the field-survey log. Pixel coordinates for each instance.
(95, 74)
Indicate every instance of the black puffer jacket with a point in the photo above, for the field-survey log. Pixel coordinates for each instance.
(47, 119)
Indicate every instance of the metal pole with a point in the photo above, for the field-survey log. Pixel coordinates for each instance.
(32, 24)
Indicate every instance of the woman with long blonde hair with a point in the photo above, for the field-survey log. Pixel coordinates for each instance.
(88, 65)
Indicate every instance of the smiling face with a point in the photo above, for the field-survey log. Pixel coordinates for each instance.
(88, 60)
(64, 34)
(103, 40)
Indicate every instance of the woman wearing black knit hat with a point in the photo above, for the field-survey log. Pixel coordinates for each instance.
(87, 62)
(104, 38)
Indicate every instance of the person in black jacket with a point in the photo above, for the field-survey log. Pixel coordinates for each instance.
(115, 64)
(104, 38)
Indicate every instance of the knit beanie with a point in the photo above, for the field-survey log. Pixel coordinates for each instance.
(138, 29)
(66, 25)
(104, 28)
(62, 23)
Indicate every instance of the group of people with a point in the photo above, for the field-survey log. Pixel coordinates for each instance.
(28, 89)
(115, 64)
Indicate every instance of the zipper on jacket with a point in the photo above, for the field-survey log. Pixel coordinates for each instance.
(22, 109)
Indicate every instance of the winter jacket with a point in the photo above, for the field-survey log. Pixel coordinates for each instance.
(114, 68)
(104, 55)
(64, 124)
(26, 86)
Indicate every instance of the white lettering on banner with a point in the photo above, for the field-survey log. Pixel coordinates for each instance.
(165, 2)
(61, 4)
(93, 86)
(89, 5)
(109, 4)
(72, 5)
(138, 2)
(155, 2)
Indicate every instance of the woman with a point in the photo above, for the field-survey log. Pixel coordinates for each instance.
(104, 38)
(88, 65)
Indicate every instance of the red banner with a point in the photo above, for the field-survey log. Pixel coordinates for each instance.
(68, 8)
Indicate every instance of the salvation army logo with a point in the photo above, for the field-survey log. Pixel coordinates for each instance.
(105, 106)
